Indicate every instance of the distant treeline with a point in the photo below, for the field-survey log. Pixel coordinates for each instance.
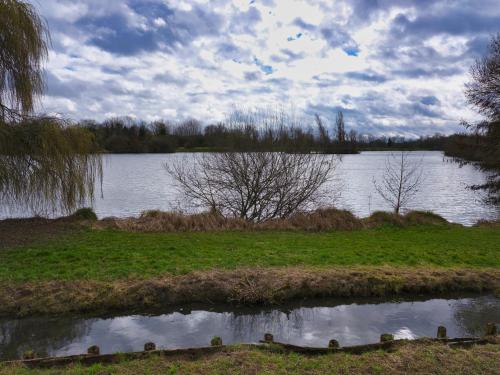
(124, 135)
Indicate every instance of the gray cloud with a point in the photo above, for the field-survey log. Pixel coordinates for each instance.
(114, 33)
(429, 100)
(252, 76)
(287, 55)
(455, 22)
(244, 22)
(299, 22)
(366, 76)
(335, 36)
(152, 58)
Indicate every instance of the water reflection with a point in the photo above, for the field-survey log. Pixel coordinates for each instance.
(47, 336)
(350, 324)
(134, 183)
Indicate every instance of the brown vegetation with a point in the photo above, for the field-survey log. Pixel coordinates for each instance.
(399, 357)
(93, 355)
(315, 221)
(17, 232)
(241, 286)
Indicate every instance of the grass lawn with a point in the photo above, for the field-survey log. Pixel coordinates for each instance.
(109, 255)
(410, 358)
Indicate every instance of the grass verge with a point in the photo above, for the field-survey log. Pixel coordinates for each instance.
(88, 269)
(104, 255)
(418, 357)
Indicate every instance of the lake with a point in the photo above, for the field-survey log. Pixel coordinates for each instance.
(350, 322)
(137, 182)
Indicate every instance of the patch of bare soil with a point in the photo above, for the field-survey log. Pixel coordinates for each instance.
(18, 232)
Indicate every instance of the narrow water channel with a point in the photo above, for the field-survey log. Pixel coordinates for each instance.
(313, 324)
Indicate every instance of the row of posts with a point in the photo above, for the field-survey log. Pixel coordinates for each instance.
(491, 330)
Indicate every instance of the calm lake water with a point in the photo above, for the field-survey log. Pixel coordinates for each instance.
(349, 322)
(137, 182)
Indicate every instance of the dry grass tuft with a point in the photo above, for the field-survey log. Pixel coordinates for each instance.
(242, 286)
(424, 218)
(328, 219)
(379, 218)
(406, 357)
(158, 221)
(316, 221)
(488, 224)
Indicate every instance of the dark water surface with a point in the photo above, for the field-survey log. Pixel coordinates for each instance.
(312, 324)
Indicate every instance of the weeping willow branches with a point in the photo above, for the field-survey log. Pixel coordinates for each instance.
(44, 164)
(24, 40)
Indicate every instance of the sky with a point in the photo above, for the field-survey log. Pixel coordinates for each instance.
(393, 67)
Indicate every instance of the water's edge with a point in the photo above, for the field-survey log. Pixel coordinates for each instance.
(311, 324)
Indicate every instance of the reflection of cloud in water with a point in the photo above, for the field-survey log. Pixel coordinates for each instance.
(404, 333)
(309, 326)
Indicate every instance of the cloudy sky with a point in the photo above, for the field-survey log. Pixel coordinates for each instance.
(392, 67)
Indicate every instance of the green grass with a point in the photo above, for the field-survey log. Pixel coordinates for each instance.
(410, 358)
(107, 255)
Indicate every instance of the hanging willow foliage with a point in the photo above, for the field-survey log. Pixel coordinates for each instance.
(24, 40)
(44, 164)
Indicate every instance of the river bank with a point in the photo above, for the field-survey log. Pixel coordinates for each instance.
(73, 265)
(240, 286)
(404, 357)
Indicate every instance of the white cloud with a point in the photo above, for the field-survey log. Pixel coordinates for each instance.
(201, 58)
(160, 22)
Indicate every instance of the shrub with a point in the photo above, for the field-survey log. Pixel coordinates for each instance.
(84, 214)
(424, 217)
(379, 218)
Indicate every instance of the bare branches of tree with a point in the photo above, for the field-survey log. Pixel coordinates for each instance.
(401, 180)
(340, 127)
(483, 91)
(255, 186)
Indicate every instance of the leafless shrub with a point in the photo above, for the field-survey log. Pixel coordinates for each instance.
(255, 186)
(401, 180)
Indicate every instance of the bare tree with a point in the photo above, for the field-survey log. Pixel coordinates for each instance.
(401, 180)
(324, 138)
(340, 127)
(188, 128)
(483, 91)
(255, 186)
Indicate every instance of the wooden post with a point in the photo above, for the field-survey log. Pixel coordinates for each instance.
(491, 329)
(29, 354)
(441, 332)
(384, 337)
(94, 350)
(216, 341)
(333, 344)
(149, 346)
(268, 337)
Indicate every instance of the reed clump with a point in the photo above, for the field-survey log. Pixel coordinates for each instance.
(321, 220)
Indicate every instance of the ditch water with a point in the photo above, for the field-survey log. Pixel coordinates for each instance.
(350, 322)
